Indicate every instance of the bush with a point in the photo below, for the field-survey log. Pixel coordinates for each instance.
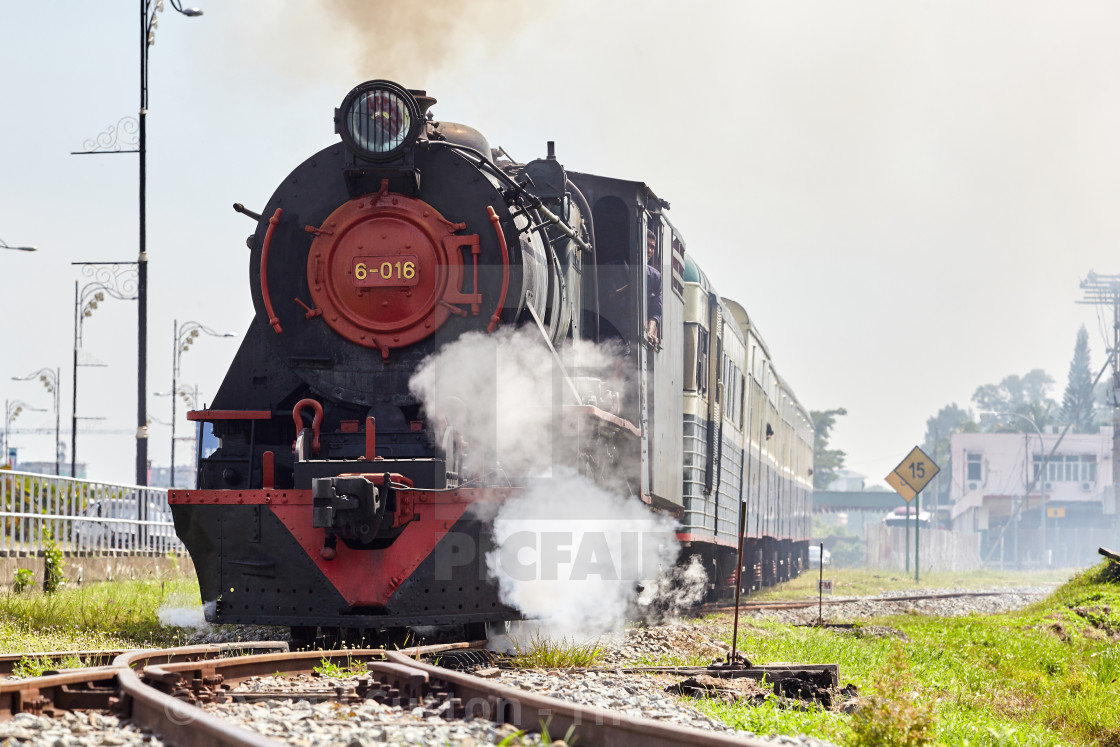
(893, 715)
(24, 578)
(53, 575)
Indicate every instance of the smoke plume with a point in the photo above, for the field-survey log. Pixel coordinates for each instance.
(496, 392)
(410, 40)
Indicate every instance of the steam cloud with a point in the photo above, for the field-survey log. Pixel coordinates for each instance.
(496, 392)
(569, 552)
(181, 613)
(572, 555)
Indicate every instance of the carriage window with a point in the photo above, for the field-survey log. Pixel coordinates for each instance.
(654, 332)
(691, 360)
(719, 370)
(702, 360)
(743, 400)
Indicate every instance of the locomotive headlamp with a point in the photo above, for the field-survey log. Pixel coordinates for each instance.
(378, 119)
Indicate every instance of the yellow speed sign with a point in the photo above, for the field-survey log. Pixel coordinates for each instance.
(916, 470)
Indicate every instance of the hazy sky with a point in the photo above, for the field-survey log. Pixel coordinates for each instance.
(903, 195)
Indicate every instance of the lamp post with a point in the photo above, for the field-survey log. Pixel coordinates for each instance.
(1041, 474)
(51, 381)
(4, 245)
(184, 338)
(11, 412)
(189, 395)
(116, 281)
(148, 24)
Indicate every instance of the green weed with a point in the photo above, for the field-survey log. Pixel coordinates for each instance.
(25, 577)
(569, 737)
(330, 668)
(54, 575)
(894, 713)
(543, 652)
(29, 666)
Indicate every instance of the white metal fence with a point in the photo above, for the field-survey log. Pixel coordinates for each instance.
(82, 517)
(941, 550)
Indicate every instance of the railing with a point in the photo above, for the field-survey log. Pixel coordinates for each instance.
(82, 517)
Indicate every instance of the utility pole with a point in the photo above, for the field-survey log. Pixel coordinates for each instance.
(1104, 290)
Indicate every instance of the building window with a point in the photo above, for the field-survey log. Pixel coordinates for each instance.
(1068, 468)
(974, 467)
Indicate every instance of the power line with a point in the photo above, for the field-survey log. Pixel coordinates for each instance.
(1102, 291)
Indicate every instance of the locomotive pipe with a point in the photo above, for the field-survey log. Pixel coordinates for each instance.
(536, 204)
(565, 229)
(497, 317)
(237, 206)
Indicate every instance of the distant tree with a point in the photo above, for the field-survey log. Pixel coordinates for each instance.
(1077, 402)
(949, 419)
(1027, 395)
(1102, 398)
(826, 461)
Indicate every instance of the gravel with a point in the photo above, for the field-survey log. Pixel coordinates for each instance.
(352, 724)
(75, 729)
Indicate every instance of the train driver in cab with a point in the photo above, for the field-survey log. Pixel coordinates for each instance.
(653, 291)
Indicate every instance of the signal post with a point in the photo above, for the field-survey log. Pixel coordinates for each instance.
(908, 479)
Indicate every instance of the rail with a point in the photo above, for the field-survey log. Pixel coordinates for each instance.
(82, 516)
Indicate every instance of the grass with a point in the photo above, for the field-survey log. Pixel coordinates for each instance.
(1045, 675)
(112, 614)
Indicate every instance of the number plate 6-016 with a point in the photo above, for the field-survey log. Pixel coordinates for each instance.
(373, 272)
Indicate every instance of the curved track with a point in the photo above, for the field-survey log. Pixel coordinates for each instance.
(163, 689)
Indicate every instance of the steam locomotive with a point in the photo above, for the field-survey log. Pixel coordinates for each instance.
(335, 501)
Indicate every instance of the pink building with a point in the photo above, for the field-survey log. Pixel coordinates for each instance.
(998, 485)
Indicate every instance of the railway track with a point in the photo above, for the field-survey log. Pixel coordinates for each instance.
(796, 604)
(172, 693)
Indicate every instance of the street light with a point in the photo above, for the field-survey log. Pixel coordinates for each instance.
(50, 380)
(184, 338)
(1041, 474)
(4, 245)
(117, 283)
(189, 395)
(148, 24)
(11, 412)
